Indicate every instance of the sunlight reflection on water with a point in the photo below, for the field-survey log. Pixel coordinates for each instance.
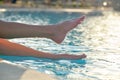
(102, 32)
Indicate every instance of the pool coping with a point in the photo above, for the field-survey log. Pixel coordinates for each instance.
(47, 9)
(20, 73)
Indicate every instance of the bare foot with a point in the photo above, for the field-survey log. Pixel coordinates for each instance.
(63, 28)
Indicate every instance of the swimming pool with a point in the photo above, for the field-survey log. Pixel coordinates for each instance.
(97, 36)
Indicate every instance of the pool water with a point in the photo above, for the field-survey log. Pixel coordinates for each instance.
(97, 37)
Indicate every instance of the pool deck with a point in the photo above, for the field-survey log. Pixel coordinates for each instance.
(11, 71)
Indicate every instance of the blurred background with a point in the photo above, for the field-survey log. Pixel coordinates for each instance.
(103, 4)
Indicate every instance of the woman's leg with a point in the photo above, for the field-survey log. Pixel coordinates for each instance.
(14, 49)
(55, 32)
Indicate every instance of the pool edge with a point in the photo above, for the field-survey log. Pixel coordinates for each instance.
(20, 73)
(46, 9)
